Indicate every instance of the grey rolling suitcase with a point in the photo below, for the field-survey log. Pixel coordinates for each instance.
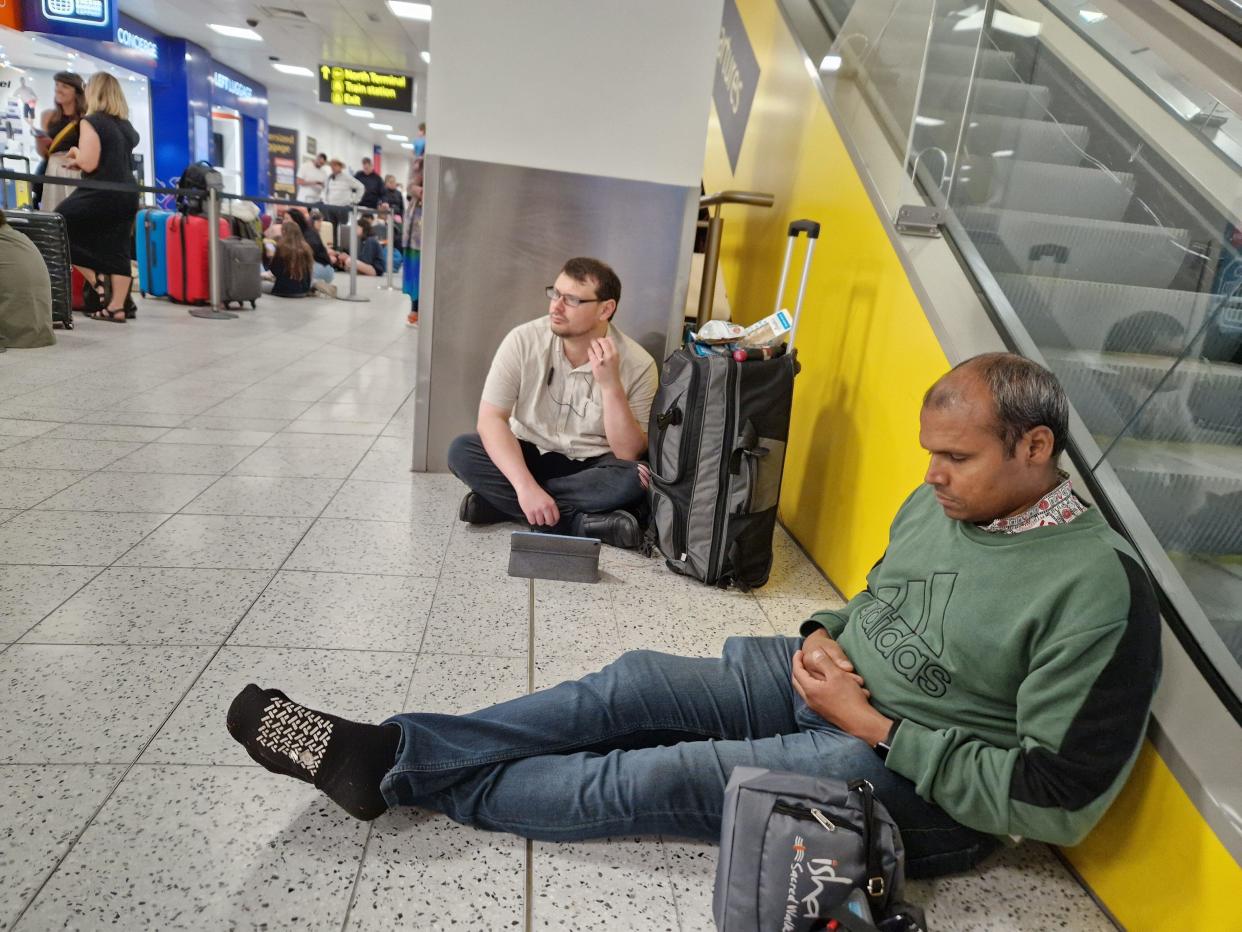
(241, 271)
(716, 443)
(47, 231)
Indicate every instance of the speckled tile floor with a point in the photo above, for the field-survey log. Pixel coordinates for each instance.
(186, 505)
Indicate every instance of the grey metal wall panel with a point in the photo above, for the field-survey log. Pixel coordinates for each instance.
(496, 235)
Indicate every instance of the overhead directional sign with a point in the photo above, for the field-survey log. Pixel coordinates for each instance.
(362, 87)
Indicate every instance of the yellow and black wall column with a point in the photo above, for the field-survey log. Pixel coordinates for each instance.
(868, 352)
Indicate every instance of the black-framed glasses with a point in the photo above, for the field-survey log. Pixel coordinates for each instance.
(569, 299)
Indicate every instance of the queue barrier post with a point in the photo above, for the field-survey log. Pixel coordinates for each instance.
(353, 257)
(215, 185)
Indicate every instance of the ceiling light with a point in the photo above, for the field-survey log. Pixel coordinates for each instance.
(407, 145)
(1002, 153)
(236, 32)
(1092, 16)
(830, 63)
(419, 11)
(360, 113)
(398, 137)
(425, 56)
(380, 126)
(928, 121)
(293, 69)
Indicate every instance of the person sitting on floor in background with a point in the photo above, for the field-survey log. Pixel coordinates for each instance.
(370, 260)
(563, 419)
(291, 263)
(26, 297)
(388, 224)
(993, 679)
(322, 272)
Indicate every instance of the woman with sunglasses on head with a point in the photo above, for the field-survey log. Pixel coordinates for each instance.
(60, 133)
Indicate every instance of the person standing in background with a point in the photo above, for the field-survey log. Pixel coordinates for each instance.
(311, 180)
(60, 134)
(100, 222)
(340, 191)
(414, 226)
(372, 183)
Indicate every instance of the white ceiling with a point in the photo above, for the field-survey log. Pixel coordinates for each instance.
(341, 32)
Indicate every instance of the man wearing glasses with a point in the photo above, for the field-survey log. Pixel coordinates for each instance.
(562, 421)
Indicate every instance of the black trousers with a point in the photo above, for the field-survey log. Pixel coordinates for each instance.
(590, 486)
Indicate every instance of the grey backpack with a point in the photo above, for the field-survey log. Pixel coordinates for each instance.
(798, 851)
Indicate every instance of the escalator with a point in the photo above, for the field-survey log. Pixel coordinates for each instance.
(1119, 262)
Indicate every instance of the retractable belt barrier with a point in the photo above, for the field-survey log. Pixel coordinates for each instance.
(214, 196)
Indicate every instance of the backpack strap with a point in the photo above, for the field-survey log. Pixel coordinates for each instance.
(876, 889)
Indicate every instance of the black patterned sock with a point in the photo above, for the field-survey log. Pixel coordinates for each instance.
(346, 760)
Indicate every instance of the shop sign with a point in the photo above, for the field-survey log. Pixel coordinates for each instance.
(232, 86)
(282, 160)
(10, 14)
(88, 19)
(737, 78)
(141, 44)
(361, 87)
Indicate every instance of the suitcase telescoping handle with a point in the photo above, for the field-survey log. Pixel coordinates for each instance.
(811, 229)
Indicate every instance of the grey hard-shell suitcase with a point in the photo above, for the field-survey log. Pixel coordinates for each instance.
(716, 444)
(47, 231)
(241, 271)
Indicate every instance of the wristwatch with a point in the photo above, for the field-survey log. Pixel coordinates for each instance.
(885, 744)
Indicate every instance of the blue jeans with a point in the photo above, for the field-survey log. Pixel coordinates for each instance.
(590, 486)
(645, 747)
(323, 273)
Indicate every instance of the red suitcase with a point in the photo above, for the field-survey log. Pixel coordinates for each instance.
(188, 281)
(77, 296)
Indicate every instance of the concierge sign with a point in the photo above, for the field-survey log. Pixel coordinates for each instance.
(361, 87)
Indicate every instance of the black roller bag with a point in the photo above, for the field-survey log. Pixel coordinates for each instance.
(716, 443)
(47, 231)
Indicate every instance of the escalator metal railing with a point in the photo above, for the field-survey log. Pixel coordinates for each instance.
(1106, 240)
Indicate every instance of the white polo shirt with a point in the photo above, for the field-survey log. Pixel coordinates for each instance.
(555, 406)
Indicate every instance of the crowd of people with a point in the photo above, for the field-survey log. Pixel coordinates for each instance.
(326, 184)
(87, 134)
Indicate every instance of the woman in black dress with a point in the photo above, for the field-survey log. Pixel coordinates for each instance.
(100, 222)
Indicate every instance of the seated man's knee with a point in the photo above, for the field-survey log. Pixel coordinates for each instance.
(462, 452)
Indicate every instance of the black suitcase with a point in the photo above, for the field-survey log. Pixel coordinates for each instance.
(47, 231)
(716, 444)
(241, 271)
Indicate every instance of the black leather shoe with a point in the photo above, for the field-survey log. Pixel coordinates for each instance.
(475, 509)
(615, 528)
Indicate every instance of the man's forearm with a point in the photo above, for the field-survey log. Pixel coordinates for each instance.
(505, 451)
(625, 436)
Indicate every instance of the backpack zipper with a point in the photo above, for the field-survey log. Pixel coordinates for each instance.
(811, 813)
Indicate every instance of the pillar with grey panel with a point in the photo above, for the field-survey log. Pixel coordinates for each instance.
(596, 151)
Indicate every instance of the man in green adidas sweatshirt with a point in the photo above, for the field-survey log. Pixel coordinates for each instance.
(994, 678)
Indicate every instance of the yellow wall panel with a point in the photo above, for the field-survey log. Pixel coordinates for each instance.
(1153, 860)
(867, 350)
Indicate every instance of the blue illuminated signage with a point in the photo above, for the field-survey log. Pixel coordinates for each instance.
(82, 12)
(137, 42)
(232, 86)
(87, 19)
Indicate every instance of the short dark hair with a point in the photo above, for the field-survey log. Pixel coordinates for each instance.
(583, 269)
(365, 160)
(1025, 395)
